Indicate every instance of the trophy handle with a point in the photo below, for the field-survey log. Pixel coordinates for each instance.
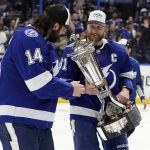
(112, 97)
(114, 100)
(105, 92)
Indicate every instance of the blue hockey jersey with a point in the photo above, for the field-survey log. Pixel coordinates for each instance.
(28, 86)
(137, 81)
(116, 67)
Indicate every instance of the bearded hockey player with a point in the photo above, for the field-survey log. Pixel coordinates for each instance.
(116, 67)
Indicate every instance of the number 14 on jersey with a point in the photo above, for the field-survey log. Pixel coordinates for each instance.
(36, 57)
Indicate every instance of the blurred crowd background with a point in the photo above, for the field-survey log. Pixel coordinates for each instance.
(129, 19)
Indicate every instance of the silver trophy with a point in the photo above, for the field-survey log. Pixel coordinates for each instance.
(118, 118)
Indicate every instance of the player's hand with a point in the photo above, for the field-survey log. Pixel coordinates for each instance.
(123, 96)
(144, 103)
(78, 88)
(90, 89)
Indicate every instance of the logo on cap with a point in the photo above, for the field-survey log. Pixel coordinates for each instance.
(97, 15)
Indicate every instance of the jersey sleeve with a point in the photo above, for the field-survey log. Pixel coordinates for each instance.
(139, 83)
(126, 73)
(29, 57)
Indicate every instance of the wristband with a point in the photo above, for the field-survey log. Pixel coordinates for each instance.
(124, 87)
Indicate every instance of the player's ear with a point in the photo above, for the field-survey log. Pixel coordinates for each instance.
(130, 50)
(56, 26)
(106, 28)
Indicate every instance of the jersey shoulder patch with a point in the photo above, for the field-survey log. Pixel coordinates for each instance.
(31, 33)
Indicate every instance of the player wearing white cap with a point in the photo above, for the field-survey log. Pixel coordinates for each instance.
(115, 64)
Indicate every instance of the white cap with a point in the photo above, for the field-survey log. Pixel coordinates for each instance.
(123, 42)
(97, 16)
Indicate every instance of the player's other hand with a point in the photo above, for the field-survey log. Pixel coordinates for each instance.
(90, 89)
(78, 88)
(123, 96)
(144, 103)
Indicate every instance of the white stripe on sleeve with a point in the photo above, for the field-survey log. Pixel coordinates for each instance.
(127, 74)
(39, 81)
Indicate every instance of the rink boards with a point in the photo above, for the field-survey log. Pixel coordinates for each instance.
(145, 72)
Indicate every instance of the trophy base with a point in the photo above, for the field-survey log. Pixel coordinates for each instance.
(125, 122)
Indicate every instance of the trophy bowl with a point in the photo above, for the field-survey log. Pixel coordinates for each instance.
(120, 124)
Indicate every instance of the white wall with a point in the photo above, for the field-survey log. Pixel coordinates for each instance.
(145, 72)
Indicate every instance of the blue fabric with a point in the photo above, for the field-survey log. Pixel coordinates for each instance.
(16, 68)
(137, 79)
(85, 137)
(28, 56)
(118, 143)
(126, 35)
(29, 137)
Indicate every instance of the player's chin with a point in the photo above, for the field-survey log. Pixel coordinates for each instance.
(95, 39)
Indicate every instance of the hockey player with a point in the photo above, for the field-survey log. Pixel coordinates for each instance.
(84, 111)
(137, 79)
(28, 86)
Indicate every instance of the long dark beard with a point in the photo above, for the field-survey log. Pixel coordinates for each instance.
(53, 36)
